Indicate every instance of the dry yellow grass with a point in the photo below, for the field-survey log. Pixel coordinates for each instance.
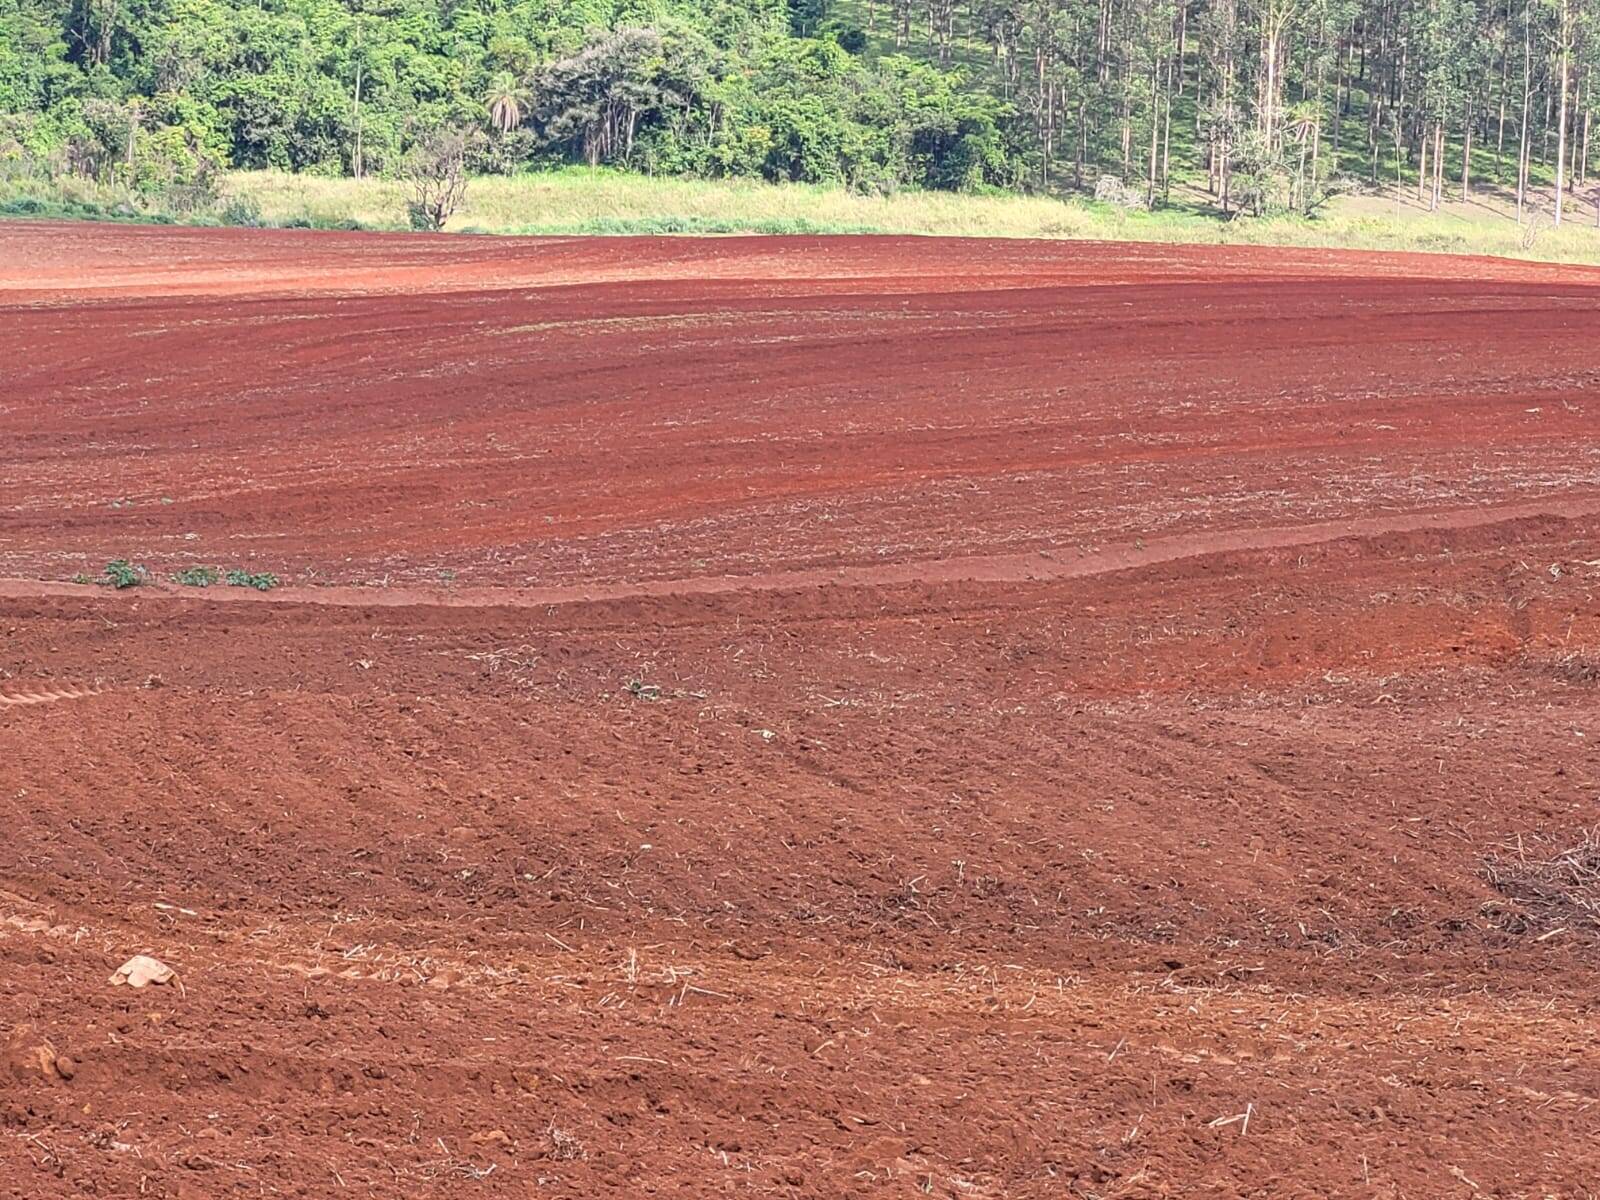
(605, 201)
(602, 202)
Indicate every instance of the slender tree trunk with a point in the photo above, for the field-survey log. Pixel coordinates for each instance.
(1183, 32)
(133, 136)
(1269, 90)
(1398, 135)
(1317, 86)
(1438, 164)
(1041, 115)
(1374, 125)
(1561, 140)
(355, 157)
(1049, 129)
(1127, 117)
(1522, 125)
(1422, 170)
(1083, 141)
(1166, 128)
(1155, 133)
(1583, 160)
(1338, 100)
(1581, 163)
(1225, 148)
(1500, 136)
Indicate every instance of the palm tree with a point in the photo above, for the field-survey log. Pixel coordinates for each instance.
(504, 102)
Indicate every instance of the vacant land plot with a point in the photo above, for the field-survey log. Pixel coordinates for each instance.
(796, 717)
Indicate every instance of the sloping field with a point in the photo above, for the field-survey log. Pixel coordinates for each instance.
(811, 718)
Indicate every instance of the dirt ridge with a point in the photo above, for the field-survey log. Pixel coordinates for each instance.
(1037, 567)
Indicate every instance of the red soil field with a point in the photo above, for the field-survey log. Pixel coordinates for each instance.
(797, 717)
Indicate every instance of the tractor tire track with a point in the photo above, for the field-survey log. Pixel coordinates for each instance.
(16, 699)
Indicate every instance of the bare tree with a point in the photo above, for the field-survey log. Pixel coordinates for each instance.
(436, 169)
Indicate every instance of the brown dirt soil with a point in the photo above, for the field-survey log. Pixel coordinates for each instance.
(796, 717)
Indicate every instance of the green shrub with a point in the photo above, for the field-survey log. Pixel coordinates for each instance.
(241, 210)
(262, 582)
(196, 576)
(323, 221)
(120, 573)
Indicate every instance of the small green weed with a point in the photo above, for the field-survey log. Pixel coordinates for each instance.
(197, 576)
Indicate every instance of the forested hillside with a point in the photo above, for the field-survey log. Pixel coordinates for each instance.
(1252, 104)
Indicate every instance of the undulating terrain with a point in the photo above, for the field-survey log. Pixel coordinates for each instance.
(813, 718)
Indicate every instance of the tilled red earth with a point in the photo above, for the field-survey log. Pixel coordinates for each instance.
(797, 717)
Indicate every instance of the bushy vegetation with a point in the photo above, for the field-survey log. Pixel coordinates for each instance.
(1262, 106)
(119, 573)
(261, 581)
(158, 96)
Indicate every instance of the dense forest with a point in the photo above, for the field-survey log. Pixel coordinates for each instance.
(1256, 105)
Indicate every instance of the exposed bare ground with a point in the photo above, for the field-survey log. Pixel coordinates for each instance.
(817, 719)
